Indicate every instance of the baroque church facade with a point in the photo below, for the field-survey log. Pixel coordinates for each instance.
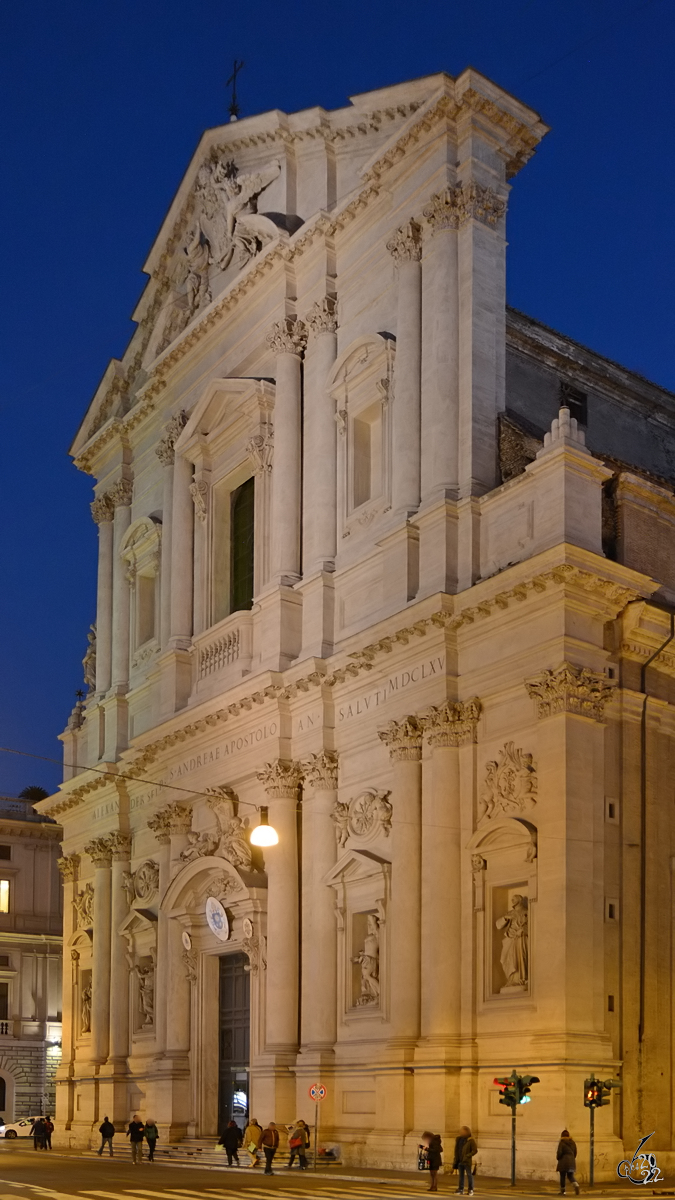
(389, 564)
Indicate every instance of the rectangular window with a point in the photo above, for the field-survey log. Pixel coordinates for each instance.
(4, 1001)
(367, 454)
(4, 895)
(146, 608)
(5, 852)
(4, 960)
(242, 530)
(610, 1004)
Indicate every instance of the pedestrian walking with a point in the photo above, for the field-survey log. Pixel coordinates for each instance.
(151, 1137)
(39, 1134)
(231, 1138)
(434, 1156)
(566, 1155)
(107, 1132)
(252, 1141)
(270, 1143)
(298, 1144)
(49, 1129)
(465, 1148)
(135, 1136)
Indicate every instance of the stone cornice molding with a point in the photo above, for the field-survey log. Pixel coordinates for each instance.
(173, 429)
(280, 778)
(288, 336)
(406, 243)
(68, 866)
(121, 493)
(322, 316)
(404, 739)
(120, 845)
(571, 689)
(102, 509)
(454, 206)
(452, 724)
(100, 851)
(321, 771)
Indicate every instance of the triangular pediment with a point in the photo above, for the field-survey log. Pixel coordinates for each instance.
(357, 864)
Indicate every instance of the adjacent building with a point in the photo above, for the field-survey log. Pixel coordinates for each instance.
(30, 960)
(390, 565)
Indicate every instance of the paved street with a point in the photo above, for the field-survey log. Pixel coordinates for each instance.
(27, 1175)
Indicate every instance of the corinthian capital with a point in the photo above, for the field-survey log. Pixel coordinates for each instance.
(120, 845)
(121, 492)
(100, 850)
(322, 316)
(404, 739)
(102, 509)
(406, 244)
(68, 867)
(174, 428)
(452, 724)
(280, 778)
(571, 689)
(288, 336)
(454, 206)
(321, 771)
(159, 824)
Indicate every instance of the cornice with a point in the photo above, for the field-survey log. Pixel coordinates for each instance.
(37, 830)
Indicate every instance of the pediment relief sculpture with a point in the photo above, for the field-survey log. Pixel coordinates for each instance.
(364, 816)
(510, 785)
(225, 223)
(229, 841)
(83, 903)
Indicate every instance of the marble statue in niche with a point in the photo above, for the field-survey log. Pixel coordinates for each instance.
(369, 961)
(514, 951)
(146, 994)
(85, 1009)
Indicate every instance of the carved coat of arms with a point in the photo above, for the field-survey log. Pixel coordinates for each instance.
(510, 786)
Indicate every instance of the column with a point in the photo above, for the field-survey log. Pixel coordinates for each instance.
(404, 740)
(406, 250)
(320, 443)
(103, 512)
(120, 496)
(68, 867)
(166, 455)
(439, 404)
(447, 727)
(182, 554)
(159, 825)
(179, 817)
(280, 780)
(120, 844)
(319, 925)
(99, 850)
(287, 340)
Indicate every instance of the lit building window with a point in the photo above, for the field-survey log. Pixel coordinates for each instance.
(4, 895)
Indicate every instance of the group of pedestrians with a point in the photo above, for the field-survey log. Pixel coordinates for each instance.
(431, 1156)
(43, 1129)
(137, 1132)
(256, 1139)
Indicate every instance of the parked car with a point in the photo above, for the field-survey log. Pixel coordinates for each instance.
(21, 1128)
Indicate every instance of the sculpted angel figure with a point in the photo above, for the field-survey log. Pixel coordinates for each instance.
(89, 660)
(340, 818)
(230, 216)
(234, 844)
(369, 961)
(197, 282)
(129, 887)
(514, 953)
(199, 845)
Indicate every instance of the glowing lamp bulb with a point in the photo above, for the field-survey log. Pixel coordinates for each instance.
(264, 834)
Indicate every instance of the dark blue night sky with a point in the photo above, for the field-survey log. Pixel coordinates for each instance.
(103, 102)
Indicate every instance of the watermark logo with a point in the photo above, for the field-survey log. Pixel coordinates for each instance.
(642, 1168)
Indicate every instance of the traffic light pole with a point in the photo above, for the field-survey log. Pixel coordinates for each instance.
(592, 1171)
(513, 1145)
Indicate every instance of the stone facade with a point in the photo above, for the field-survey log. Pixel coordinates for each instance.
(30, 960)
(447, 689)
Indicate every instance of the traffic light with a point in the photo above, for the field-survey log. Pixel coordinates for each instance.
(524, 1085)
(507, 1094)
(598, 1092)
(515, 1089)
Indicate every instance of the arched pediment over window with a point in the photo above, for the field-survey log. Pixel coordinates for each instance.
(208, 876)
